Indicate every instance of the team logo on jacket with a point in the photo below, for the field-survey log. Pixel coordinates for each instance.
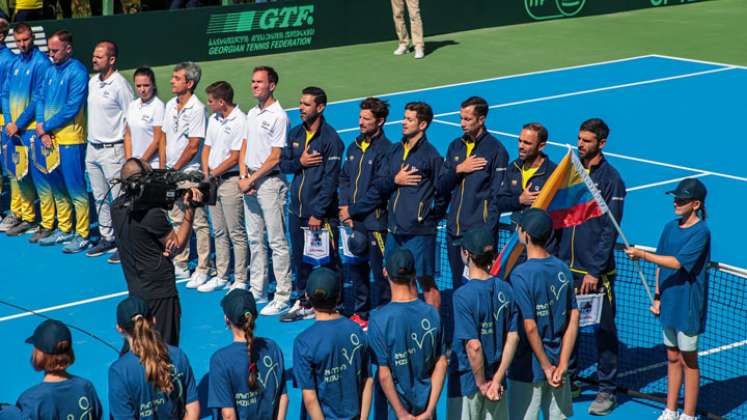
(351, 157)
(514, 182)
(295, 144)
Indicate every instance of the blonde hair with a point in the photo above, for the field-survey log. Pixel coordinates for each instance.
(148, 346)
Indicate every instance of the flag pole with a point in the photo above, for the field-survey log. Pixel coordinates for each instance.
(605, 209)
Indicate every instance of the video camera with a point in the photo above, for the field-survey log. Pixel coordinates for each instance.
(159, 188)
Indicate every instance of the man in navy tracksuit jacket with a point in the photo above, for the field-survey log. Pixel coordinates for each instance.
(363, 209)
(588, 249)
(312, 155)
(414, 207)
(473, 170)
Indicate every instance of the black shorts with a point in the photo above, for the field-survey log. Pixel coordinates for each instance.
(168, 314)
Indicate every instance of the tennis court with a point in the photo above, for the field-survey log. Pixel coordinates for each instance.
(670, 118)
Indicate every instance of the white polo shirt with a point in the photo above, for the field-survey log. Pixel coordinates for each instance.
(142, 119)
(265, 128)
(107, 106)
(179, 126)
(223, 136)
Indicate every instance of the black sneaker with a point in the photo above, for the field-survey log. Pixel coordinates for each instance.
(20, 228)
(41, 234)
(101, 248)
(114, 259)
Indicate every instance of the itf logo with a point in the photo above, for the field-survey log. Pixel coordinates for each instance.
(553, 9)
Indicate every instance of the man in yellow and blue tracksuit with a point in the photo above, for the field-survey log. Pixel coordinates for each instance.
(59, 126)
(312, 155)
(474, 168)
(21, 217)
(589, 251)
(364, 210)
(19, 95)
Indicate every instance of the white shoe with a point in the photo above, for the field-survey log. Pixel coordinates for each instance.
(684, 416)
(237, 285)
(402, 49)
(213, 284)
(419, 52)
(181, 273)
(197, 280)
(669, 415)
(275, 307)
(261, 299)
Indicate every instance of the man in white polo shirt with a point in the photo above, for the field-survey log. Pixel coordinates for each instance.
(266, 191)
(220, 160)
(183, 127)
(109, 95)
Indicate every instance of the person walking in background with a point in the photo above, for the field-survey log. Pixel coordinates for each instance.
(416, 26)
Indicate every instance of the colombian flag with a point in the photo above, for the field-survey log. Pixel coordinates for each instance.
(571, 198)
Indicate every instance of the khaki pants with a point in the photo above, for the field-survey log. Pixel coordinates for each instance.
(477, 407)
(228, 225)
(528, 400)
(201, 227)
(416, 24)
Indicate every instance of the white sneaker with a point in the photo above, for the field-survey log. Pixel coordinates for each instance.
(684, 416)
(213, 284)
(668, 414)
(197, 280)
(402, 49)
(275, 307)
(181, 273)
(261, 299)
(419, 52)
(237, 285)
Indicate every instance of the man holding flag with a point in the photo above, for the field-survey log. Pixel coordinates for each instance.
(587, 244)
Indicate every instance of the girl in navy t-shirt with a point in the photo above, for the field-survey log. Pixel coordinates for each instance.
(247, 377)
(152, 380)
(682, 257)
(60, 395)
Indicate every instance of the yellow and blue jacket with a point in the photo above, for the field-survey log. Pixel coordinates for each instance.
(513, 184)
(60, 105)
(6, 61)
(23, 87)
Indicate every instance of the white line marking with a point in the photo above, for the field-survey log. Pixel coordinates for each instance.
(693, 60)
(71, 304)
(708, 352)
(668, 181)
(619, 156)
(491, 79)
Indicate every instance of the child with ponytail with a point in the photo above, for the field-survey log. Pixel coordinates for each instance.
(152, 380)
(247, 377)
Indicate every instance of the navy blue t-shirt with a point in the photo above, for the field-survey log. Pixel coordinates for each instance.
(483, 310)
(544, 292)
(10, 412)
(407, 338)
(74, 397)
(229, 373)
(130, 396)
(332, 358)
(684, 291)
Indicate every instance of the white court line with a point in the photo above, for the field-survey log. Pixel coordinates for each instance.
(693, 60)
(71, 304)
(618, 155)
(669, 181)
(708, 352)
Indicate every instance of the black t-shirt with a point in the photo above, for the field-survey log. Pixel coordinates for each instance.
(149, 274)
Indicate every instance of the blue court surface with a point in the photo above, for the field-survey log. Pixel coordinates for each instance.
(670, 118)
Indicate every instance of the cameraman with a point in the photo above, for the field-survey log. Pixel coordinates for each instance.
(146, 241)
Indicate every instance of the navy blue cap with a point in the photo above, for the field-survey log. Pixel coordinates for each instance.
(536, 222)
(478, 241)
(323, 283)
(358, 243)
(129, 309)
(400, 263)
(236, 304)
(49, 334)
(690, 189)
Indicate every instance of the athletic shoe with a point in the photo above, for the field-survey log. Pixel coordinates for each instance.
(20, 228)
(360, 321)
(213, 284)
(102, 248)
(419, 52)
(603, 404)
(9, 222)
(260, 300)
(77, 244)
(58, 237)
(297, 313)
(668, 414)
(402, 49)
(41, 234)
(181, 273)
(197, 280)
(275, 307)
(237, 285)
(684, 416)
(114, 259)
